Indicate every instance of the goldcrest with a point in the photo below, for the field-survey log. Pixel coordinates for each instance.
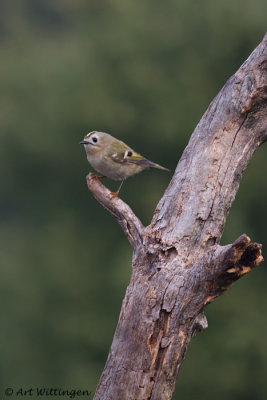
(113, 158)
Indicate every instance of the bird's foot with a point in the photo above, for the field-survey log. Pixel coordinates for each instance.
(116, 194)
(94, 176)
(113, 195)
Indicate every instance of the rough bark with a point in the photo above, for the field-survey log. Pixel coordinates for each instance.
(178, 265)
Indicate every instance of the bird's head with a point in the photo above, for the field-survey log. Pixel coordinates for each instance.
(95, 141)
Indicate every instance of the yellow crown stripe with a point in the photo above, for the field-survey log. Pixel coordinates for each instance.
(90, 133)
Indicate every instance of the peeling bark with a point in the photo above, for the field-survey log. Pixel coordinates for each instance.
(178, 265)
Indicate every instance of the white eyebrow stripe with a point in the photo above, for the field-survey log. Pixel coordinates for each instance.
(125, 155)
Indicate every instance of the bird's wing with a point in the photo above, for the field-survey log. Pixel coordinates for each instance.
(123, 154)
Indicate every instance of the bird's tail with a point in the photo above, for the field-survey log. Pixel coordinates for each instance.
(154, 165)
(146, 163)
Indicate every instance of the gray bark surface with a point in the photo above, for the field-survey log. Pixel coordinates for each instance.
(178, 265)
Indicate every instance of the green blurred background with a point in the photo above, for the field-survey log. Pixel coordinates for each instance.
(145, 72)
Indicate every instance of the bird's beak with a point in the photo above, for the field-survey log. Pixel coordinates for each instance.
(83, 142)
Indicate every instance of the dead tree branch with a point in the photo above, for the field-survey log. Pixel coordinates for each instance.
(178, 265)
(131, 225)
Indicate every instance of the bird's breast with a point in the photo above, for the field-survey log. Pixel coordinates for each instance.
(112, 169)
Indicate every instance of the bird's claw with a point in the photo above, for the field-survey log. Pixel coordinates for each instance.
(113, 195)
(94, 176)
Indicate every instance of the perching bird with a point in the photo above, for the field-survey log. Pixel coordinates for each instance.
(113, 158)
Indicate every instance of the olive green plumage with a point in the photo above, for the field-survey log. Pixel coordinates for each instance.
(113, 158)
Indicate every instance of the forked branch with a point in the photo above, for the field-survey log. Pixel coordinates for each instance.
(178, 265)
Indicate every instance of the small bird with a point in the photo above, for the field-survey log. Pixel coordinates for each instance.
(113, 158)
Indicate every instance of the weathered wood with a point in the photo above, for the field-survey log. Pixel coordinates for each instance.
(178, 265)
(131, 225)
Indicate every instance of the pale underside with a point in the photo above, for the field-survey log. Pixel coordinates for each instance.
(114, 169)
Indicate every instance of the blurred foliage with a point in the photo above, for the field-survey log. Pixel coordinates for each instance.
(145, 72)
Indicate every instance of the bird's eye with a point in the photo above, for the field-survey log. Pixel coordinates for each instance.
(94, 139)
(130, 153)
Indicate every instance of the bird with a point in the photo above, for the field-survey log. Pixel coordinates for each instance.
(113, 158)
